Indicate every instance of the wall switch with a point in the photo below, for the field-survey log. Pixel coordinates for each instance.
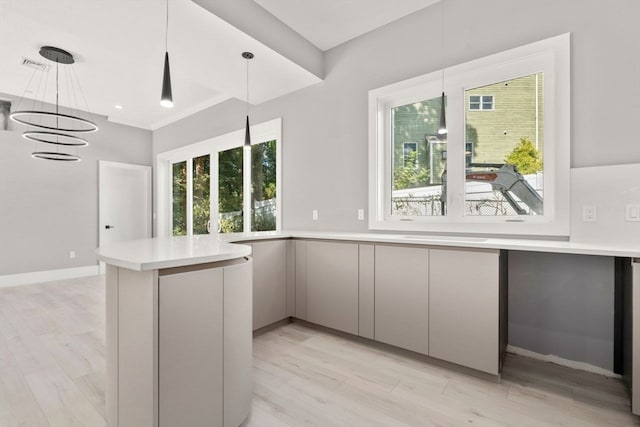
(589, 214)
(72, 254)
(360, 214)
(632, 212)
(314, 214)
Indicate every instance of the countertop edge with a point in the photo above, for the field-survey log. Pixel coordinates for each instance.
(532, 245)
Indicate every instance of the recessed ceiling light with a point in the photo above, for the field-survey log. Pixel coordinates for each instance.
(118, 107)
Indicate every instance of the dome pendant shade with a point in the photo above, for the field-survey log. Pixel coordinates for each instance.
(247, 135)
(442, 129)
(166, 100)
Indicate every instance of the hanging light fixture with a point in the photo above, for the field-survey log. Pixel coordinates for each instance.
(442, 128)
(166, 99)
(59, 129)
(247, 132)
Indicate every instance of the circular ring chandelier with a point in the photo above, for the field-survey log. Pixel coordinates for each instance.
(54, 155)
(59, 127)
(55, 138)
(18, 116)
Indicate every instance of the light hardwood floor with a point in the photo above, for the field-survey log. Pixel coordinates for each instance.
(52, 374)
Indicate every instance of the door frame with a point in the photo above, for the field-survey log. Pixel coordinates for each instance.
(103, 166)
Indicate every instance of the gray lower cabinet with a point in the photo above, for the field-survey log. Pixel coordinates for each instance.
(190, 318)
(269, 282)
(204, 347)
(464, 307)
(402, 297)
(332, 284)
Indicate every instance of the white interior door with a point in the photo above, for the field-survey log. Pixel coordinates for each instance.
(124, 202)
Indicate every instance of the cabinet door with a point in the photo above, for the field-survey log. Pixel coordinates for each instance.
(190, 356)
(332, 285)
(238, 342)
(269, 282)
(402, 297)
(464, 308)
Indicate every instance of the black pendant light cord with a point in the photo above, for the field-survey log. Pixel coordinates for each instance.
(166, 30)
(442, 43)
(247, 87)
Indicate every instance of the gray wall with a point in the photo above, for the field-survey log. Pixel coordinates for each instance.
(325, 126)
(50, 208)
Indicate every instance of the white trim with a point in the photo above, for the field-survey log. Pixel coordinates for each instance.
(47, 276)
(557, 360)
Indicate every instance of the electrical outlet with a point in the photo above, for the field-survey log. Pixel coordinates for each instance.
(314, 214)
(589, 213)
(72, 254)
(360, 214)
(632, 212)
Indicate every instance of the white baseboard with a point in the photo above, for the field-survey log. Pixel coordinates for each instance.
(47, 276)
(557, 360)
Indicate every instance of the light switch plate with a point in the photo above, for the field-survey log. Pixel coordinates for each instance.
(632, 212)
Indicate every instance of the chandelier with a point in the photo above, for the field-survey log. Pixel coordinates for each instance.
(58, 130)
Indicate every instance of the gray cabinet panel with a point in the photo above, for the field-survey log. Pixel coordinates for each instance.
(366, 291)
(269, 282)
(238, 344)
(301, 279)
(190, 354)
(402, 297)
(332, 285)
(464, 308)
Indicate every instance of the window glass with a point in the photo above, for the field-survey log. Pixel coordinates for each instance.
(230, 191)
(504, 150)
(419, 159)
(263, 186)
(179, 202)
(201, 194)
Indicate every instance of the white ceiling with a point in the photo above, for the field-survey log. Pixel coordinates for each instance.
(328, 23)
(119, 49)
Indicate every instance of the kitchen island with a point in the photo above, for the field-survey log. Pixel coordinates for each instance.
(178, 332)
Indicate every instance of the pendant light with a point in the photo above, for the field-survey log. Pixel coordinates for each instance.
(166, 99)
(59, 129)
(247, 132)
(442, 128)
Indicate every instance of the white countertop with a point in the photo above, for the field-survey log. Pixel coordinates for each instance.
(168, 252)
(533, 245)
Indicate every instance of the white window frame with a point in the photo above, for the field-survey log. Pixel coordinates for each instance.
(481, 105)
(404, 157)
(260, 133)
(550, 56)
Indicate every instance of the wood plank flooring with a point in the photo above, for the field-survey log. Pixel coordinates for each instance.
(52, 374)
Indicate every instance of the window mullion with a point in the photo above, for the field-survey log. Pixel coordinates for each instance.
(246, 189)
(189, 197)
(214, 185)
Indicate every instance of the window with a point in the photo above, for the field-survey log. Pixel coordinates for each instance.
(480, 102)
(506, 172)
(216, 186)
(179, 198)
(410, 154)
